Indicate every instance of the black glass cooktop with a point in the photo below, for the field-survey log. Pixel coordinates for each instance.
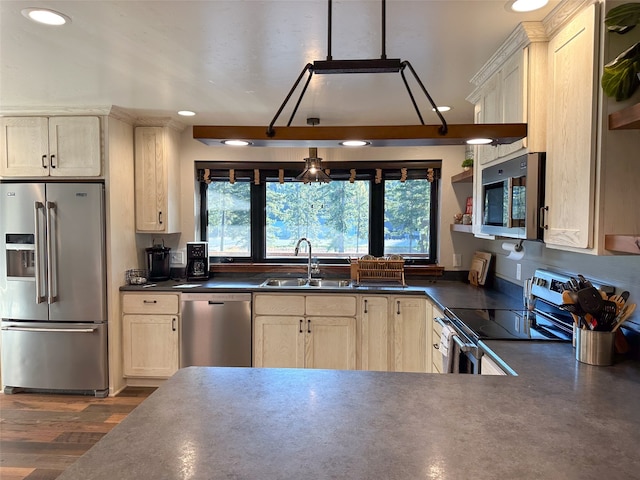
(494, 324)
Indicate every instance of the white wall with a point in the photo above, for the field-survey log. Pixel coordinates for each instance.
(192, 150)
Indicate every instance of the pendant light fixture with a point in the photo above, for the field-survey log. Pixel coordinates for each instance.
(389, 135)
(313, 169)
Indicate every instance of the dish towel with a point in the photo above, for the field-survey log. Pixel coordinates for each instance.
(449, 350)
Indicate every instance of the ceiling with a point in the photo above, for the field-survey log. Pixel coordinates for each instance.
(233, 62)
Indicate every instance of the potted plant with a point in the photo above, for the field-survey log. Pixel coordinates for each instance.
(621, 77)
(467, 163)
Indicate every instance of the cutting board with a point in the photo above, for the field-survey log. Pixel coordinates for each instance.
(479, 268)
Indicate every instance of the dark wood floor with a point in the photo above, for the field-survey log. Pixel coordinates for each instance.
(42, 434)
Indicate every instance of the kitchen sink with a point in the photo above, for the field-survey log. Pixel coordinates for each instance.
(302, 282)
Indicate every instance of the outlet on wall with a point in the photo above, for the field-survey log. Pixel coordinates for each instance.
(176, 258)
(518, 271)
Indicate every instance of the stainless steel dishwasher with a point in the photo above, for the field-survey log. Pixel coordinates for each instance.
(215, 330)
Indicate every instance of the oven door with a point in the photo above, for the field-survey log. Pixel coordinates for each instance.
(459, 353)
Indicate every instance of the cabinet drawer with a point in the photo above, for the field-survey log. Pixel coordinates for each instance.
(150, 303)
(341, 305)
(278, 304)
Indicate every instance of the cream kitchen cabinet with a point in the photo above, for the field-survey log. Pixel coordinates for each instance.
(50, 146)
(592, 179)
(305, 331)
(511, 88)
(150, 338)
(157, 180)
(570, 166)
(376, 334)
(412, 348)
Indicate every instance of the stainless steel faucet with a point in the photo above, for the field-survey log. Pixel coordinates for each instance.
(303, 239)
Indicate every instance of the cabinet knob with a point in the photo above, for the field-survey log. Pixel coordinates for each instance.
(44, 161)
(398, 303)
(53, 161)
(365, 306)
(436, 346)
(173, 323)
(150, 301)
(300, 325)
(308, 325)
(160, 218)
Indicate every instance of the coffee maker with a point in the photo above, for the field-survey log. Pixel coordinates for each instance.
(197, 261)
(158, 262)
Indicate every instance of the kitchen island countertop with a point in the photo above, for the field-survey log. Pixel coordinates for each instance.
(558, 419)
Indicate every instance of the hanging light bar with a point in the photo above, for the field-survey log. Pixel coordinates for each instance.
(396, 136)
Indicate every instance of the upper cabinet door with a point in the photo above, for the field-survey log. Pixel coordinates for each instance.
(157, 180)
(24, 147)
(150, 179)
(571, 133)
(74, 147)
(56, 146)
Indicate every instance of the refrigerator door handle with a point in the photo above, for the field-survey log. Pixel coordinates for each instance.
(38, 252)
(51, 330)
(51, 259)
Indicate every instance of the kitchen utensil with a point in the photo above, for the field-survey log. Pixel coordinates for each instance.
(620, 300)
(620, 343)
(572, 308)
(617, 299)
(607, 315)
(626, 313)
(590, 301)
(584, 283)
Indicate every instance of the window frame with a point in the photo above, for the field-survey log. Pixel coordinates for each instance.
(340, 171)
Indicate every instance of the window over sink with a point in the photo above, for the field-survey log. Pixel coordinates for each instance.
(250, 213)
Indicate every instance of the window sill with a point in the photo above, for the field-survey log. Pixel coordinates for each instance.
(410, 270)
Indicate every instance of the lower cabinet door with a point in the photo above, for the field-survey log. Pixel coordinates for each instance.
(278, 341)
(331, 343)
(150, 345)
(410, 335)
(377, 334)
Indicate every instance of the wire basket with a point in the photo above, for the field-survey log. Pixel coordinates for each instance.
(381, 270)
(136, 276)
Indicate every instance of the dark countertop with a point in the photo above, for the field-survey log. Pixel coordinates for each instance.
(557, 420)
(443, 292)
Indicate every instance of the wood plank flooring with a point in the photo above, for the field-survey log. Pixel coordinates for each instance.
(43, 434)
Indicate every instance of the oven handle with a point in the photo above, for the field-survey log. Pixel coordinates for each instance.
(463, 346)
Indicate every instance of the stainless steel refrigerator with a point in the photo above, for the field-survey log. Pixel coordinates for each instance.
(53, 287)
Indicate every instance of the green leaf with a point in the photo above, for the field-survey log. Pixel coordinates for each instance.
(620, 77)
(623, 18)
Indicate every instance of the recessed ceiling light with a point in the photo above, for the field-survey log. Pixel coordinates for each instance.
(479, 141)
(45, 16)
(186, 113)
(236, 143)
(443, 108)
(354, 143)
(525, 5)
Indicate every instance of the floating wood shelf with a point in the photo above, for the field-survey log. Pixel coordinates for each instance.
(464, 177)
(458, 227)
(625, 119)
(623, 243)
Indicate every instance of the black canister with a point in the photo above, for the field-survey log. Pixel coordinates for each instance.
(158, 261)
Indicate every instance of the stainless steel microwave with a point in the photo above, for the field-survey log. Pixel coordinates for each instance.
(512, 195)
